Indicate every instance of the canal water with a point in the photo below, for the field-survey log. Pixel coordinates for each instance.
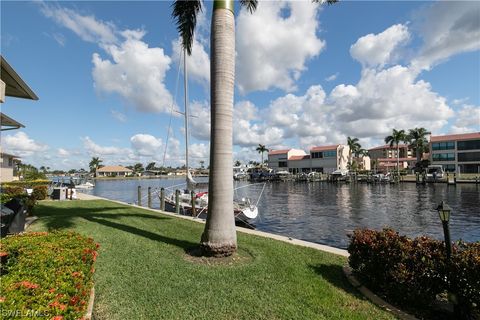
(325, 213)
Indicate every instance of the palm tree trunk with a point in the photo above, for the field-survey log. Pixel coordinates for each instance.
(219, 237)
(398, 162)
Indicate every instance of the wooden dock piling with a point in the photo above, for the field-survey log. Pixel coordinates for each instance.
(162, 199)
(177, 201)
(139, 196)
(149, 199)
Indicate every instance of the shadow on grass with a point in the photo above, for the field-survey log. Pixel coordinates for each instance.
(186, 245)
(333, 273)
(63, 217)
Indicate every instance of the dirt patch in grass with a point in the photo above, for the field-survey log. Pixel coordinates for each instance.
(240, 257)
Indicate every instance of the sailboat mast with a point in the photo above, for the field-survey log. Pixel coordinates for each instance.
(185, 86)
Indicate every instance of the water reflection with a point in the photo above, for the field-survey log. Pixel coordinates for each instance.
(325, 213)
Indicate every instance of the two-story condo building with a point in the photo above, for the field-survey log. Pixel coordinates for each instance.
(385, 157)
(456, 152)
(324, 159)
(278, 159)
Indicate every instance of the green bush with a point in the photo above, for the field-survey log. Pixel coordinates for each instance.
(46, 274)
(412, 272)
(40, 192)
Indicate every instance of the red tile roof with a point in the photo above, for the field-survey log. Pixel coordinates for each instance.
(450, 137)
(387, 146)
(324, 148)
(395, 159)
(273, 152)
(299, 157)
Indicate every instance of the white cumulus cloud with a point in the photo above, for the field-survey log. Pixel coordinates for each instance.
(21, 144)
(146, 145)
(272, 49)
(96, 150)
(376, 50)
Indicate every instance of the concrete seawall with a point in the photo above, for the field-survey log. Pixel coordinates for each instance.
(297, 242)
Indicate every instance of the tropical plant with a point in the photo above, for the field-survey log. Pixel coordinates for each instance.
(417, 139)
(138, 167)
(238, 163)
(219, 237)
(395, 138)
(202, 164)
(150, 166)
(261, 149)
(95, 164)
(354, 146)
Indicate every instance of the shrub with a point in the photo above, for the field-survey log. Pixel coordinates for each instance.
(40, 192)
(412, 272)
(47, 274)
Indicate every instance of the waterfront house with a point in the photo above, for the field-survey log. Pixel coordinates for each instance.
(7, 165)
(385, 157)
(324, 159)
(278, 159)
(114, 171)
(456, 152)
(11, 85)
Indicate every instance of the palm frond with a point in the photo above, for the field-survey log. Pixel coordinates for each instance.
(251, 5)
(329, 2)
(185, 16)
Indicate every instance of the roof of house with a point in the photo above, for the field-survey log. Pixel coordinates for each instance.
(299, 157)
(324, 148)
(114, 169)
(395, 159)
(387, 146)
(14, 85)
(8, 123)
(450, 137)
(274, 152)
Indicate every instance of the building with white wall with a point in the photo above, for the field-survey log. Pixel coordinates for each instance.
(456, 152)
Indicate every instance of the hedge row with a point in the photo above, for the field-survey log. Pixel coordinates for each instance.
(412, 272)
(46, 275)
(16, 189)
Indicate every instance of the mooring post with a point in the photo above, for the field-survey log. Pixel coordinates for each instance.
(177, 201)
(139, 196)
(192, 193)
(162, 199)
(455, 178)
(149, 201)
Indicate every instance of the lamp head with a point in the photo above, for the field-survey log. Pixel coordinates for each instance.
(444, 211)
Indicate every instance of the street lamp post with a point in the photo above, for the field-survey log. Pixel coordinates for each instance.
(444, 213)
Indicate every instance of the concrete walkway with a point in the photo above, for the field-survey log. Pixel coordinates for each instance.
(297, 242)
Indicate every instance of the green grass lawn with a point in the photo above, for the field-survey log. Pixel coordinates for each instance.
(143, 271)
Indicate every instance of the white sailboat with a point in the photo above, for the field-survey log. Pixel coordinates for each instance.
(244, 210)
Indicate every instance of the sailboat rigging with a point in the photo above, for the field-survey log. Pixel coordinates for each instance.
(196, 204)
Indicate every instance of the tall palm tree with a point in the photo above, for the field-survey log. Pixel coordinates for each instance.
(418, 141)
(354, 146)
(219, 237)
(395, 139)
(94, 164)
(261, 149)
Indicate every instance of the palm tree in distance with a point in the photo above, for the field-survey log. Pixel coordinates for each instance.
(395, 139)
(95, 164)
(417, 139)
(354, 146)
(261, 149)
(219, 237)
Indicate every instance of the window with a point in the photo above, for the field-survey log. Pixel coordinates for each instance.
(10, 162)
(317, 155)
(468, 145)
(468, 156)
(330, 154)
(443, 157)
(449, 145)
(282, 164)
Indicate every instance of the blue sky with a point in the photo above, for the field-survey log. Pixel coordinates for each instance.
(105, 73)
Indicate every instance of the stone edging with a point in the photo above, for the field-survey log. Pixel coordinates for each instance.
(88, 314)
(374, 298)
